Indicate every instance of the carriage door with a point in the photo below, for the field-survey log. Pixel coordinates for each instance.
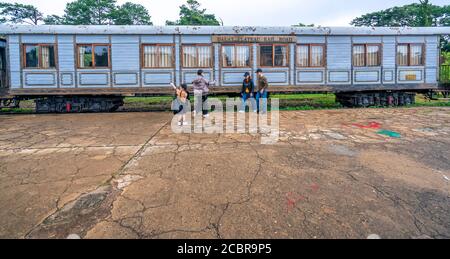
(2, 67)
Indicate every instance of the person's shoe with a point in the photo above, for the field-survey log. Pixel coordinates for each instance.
(206, 116)
(179, 123)
(185, 123)
(255, 111)
(241, 111)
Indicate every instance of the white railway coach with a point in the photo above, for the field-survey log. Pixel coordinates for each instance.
(91, 68)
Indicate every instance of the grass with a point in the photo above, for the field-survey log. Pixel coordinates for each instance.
(288, 102)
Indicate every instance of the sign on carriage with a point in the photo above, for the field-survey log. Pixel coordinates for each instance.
(253, 39)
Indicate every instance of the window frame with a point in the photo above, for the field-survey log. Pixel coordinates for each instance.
(273, 55)
(235, 54)
(409, 54)
(158, 55)
(197, 45)
(93, 45)
(380, 50)
(39, 45)
(310, 45)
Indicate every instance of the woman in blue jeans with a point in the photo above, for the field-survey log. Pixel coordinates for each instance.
(247, 92)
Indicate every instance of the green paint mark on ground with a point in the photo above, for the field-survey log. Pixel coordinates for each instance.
(389, 133)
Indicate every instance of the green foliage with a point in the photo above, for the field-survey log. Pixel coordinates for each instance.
(423, 14)
(53, 20)
(131, 14)
(89, 12)
(191, 14)
(19, 14)
(446, 58)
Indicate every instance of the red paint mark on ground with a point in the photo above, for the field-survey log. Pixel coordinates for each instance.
(314, 187)
(371, 125)
(292, 199)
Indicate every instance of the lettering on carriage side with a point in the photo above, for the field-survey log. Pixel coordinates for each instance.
(253, 39)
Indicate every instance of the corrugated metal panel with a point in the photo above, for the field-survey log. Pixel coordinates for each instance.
(65, 39)
(39, 79)
(92, 39)
(125, 56)
(310, 77)
(154, 39)
(410, 39)
(339, 53)
(367, 39)
(67, 80)
(194, 39)
(66, 59)
(389, 52)
(431, 54)
(388, 76)
(363, 76)
(177, 61)
(431, 75)
(124, 39)
(157, 78)
(216, 62)
(410, 75)
(14, 62)
(38, 39)
(15, 80)
(93, 79)
(339, 77)
(126, 79)
(311, 39)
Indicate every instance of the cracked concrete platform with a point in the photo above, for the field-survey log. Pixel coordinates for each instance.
(126, 175)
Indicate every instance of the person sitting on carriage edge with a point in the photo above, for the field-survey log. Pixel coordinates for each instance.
(201, 90)
(248, 87)
(180, 104)
(263, 86)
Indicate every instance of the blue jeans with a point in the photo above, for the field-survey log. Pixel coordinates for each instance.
(245, 97)
(260, 95)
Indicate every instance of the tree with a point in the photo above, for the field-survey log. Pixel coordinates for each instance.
(191, 14)
(131, 14)
(54, 20)
(19, 14)
(89, 12)
(422, 14)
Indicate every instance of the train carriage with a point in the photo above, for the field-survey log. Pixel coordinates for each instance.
(92, 68)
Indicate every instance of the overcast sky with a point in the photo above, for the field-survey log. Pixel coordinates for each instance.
(255, 12)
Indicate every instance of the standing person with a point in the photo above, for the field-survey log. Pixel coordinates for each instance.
(201, 90)
(180, 104)
(247, 92)
(263, 86)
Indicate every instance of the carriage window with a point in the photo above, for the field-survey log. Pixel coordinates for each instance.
(39, 56)
(410, 55)
(310, 55)
(273, 55)
(93, 56)
(236, 56)
(158, 56)
(366, 55)
(197, 56)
